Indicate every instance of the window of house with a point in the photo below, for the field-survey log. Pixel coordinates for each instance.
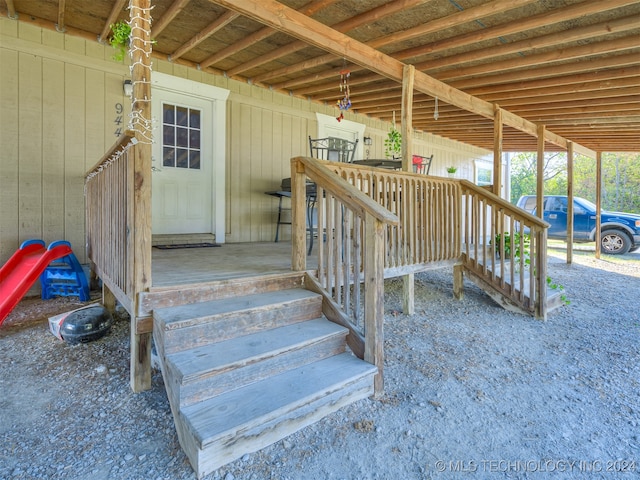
(484, 175)
(180, 137)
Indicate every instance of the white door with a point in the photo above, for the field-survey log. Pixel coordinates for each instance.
(182, 180)
(328, 126)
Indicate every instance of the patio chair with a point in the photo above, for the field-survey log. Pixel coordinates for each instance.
(333, 148)
(422, 164)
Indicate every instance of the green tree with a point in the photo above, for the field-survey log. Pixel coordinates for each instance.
(620, 178)
(524, 174)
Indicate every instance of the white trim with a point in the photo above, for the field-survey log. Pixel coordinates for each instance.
(218, 97)
(328, 126)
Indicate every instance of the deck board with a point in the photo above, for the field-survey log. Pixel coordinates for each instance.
(231, 260)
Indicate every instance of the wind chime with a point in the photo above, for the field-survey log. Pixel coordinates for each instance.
(345, 102)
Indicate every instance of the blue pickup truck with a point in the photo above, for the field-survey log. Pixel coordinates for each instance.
(620, 232)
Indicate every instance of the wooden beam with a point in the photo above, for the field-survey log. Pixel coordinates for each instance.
(406, 130)
(116, 10)
(140, 19)
(406, 116)
(308, 9)
(374, 299)
(605, 79)
(344, 26)
(570, 161)
(172, 12)
(551, 71)
(472, 14)
(540, 172)
(497, 151)
(524, 47)
(255, 37)
(314, 77)
(556, 55)
(598, 203)
(218, 24)
(60, 26)
(465, 16)
(11, 10)
(285, 19)
(555, 16)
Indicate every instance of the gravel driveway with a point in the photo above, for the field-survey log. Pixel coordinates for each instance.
(472, 391)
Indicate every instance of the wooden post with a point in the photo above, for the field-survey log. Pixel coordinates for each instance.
(497, 150)
(374, 299)
(541, 274)
(541, 251)
(540, 173)
(108, 298)
(298, 216)
(408, 293)
(598, 202)
(408, 76)
(569, 202)
(140, 18)
(406, 124)
(458, 281)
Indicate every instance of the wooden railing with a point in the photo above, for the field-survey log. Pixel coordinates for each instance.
(505, 248)
(352, 229)
(428, 209)
(109, 214)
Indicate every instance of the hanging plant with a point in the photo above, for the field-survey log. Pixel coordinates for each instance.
(120, 34)
(393, 143)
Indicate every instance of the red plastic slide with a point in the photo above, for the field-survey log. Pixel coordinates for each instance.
(23, 269)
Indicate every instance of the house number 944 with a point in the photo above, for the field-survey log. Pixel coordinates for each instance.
(119, 109)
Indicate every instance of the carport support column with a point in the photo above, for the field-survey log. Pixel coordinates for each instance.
(406, 130)
(540, 173)
(497, 150)
(140, 21)
(569, 202)
(598, 202)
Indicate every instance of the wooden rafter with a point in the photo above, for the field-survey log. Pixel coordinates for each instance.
(217, 25)
(173, 11)
(11, 9)
(546, 71)
(429, 27)
(568, 13)
(293, 23)
(113, 16)
(524, 47)
(342, 27)
(255, 37)
(536, 60)
(60, 26)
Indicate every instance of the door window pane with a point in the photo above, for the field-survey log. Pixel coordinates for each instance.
(181, 137)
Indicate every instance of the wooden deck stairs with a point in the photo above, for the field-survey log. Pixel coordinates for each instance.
(505, 289)
(243, 372)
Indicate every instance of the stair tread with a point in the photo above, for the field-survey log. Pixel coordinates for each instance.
(241, 409)
(173, 317)
(240, 351)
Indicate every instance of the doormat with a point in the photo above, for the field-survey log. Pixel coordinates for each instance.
(186, 245)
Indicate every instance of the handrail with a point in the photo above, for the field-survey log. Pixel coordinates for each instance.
(123, 140)
(428, 208)
(354, 225)
(504, 249)
(109, 191)
(502, 203)
(345, 191)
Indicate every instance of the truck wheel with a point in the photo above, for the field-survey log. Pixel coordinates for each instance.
(614, 242)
